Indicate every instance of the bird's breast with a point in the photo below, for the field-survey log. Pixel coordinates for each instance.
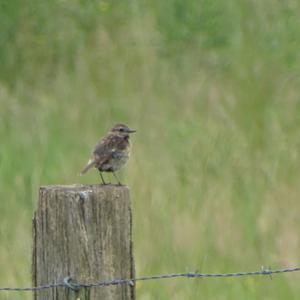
(117, 161)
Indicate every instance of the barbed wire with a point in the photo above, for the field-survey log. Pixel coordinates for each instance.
(70, 284)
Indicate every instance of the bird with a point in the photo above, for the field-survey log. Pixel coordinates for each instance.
(111, 152)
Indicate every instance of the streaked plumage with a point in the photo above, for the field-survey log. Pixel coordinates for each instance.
(112, 152)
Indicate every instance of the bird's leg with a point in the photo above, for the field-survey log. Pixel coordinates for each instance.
(103, 182)
(115, 175)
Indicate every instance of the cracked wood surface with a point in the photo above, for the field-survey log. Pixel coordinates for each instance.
(83, 231)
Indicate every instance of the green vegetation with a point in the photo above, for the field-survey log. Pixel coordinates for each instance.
(213, 88)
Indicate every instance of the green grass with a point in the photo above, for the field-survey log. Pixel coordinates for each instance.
(213, 88)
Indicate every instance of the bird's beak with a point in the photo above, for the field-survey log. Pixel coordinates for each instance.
(131, 130)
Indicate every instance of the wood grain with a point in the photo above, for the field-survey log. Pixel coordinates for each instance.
(85, 232)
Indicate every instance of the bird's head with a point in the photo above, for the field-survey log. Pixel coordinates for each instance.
(122, 130)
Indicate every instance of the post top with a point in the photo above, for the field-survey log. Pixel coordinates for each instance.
(83, 187)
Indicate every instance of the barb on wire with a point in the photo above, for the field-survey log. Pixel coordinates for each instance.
(68, 283)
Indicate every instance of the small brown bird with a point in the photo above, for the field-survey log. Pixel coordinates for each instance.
(112, 152)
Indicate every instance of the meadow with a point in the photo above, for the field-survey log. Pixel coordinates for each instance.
(213, 88)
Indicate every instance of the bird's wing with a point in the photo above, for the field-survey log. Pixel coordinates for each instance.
(104, 150)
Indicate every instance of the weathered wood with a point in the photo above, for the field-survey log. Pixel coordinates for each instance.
(83, 231)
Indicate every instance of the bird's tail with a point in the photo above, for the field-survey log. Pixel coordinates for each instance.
(90, 164)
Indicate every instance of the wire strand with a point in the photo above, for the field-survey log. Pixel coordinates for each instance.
(73, 285)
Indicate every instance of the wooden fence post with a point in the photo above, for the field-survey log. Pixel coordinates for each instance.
(83, 231)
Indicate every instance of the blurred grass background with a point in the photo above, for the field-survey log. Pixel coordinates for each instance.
(213, 88)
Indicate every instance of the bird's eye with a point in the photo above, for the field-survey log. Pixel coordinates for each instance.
(121, 130)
